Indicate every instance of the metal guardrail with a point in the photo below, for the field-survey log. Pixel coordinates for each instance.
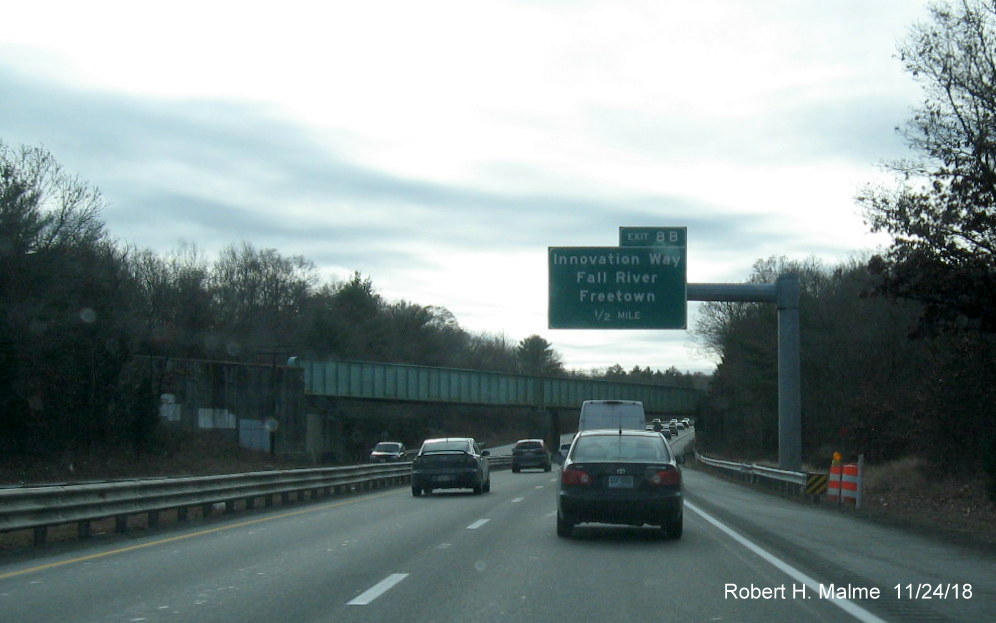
(41, 507)
(773, 478)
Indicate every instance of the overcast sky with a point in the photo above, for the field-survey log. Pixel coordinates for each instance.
(439, 147)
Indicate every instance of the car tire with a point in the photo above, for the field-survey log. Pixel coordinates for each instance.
(416, 491)
(565, 527)
(487, 486)
(548, 467)
(428, 490)
(673, 529)
(478, 489)
(515, 469)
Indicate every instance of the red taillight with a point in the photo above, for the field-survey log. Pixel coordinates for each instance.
(575, 476)
(666, 477)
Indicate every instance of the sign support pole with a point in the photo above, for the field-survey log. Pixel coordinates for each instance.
(789, 381)
(785, 294)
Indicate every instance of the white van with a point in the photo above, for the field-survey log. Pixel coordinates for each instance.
(625, 414)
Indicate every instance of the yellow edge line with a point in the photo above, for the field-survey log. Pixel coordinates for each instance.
(182, 537)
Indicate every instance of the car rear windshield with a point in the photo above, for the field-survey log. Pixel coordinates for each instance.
(387, 447)
(620, 448)
(529, 445)
(450, 445)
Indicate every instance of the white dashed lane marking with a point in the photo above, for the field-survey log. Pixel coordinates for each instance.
(477, 524)
(377, 589)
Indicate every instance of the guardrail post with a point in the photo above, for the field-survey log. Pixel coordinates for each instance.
(83, 529)
(121, 524)
(41, 536)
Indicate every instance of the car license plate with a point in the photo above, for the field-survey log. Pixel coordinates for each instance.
(443, 478)
(620, 482)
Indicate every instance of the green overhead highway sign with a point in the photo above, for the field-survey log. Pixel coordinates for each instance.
(617, 288)
(653, 236)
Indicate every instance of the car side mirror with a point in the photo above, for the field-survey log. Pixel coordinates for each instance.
(485, 453)
(680, 459)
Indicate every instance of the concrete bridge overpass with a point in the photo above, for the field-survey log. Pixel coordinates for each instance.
(554, 401)
(312, 409)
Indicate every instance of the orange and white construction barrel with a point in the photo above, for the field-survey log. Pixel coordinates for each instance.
(842, 486)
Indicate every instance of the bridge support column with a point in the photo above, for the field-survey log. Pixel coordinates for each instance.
(338, 434)
(553, 434)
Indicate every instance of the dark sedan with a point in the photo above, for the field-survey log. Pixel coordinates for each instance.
(620, 477)
(450, 463)
(530, 453)
(387, 451)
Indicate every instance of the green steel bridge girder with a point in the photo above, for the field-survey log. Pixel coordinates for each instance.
(407, 383)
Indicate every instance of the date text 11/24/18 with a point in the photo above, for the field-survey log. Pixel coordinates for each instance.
(933, 591)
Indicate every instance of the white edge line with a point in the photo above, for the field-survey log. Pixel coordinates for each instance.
(377, 589)
(846, 605)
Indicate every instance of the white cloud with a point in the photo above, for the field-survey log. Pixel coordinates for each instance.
(439, 147)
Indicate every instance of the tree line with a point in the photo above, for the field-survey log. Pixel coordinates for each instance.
(899, 348)
(871, 384)
(77, 308)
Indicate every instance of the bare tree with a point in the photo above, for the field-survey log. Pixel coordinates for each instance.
(259, 294)
(942, 213)
(41, 206)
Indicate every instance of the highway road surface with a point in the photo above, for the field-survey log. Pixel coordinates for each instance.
(453, 556)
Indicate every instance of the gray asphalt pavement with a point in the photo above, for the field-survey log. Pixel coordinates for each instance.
(454, 556)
